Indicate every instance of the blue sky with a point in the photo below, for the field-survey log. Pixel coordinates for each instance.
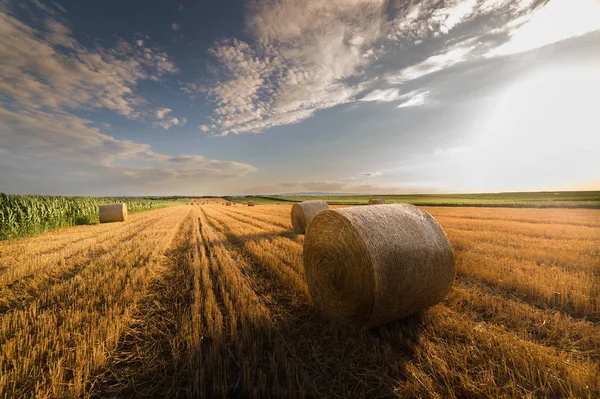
(348, 96)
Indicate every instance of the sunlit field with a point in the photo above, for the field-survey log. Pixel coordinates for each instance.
(196, 300)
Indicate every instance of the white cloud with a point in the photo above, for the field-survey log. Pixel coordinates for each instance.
(449, 57)
(311, 55)
(161, 113)
(139, 42)
(303, 52)
(175, 27)
(44, 67)
(415, 99)
(62, 139)
(169, 122)
(371, 174)
(558, 20)
(204, 128)
(382, 95)
(446, 18)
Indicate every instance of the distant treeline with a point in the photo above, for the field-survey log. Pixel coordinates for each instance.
(23, 215)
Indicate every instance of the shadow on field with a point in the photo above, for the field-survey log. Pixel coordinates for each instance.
(296, 353)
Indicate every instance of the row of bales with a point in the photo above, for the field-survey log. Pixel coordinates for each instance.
(370, 265)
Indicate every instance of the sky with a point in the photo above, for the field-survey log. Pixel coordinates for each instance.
(149, 97)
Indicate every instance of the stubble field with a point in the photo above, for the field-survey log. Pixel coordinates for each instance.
(199, 300)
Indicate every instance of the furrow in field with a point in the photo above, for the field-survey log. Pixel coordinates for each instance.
(576, 217)
(241, 320)
(568, 255)
(483, 360)
(26, 266)
(547, 327)
(257, 222)
(22, 292)
(64, 240)
(277, 218)
(572, 293)
(152, 357)
(285, 239)
(523, 229)
(262, 246)
(64, 336)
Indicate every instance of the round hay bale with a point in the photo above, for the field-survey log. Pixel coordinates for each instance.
(376, 201)
(228, 203)
(250, 203)
(113, 213)
(304, 212)
(366, 266)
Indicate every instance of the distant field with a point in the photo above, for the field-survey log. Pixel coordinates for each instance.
(212, 301)
(563, 199)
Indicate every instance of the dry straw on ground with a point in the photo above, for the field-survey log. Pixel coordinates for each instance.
(251, 203)
(304, 212)
(376, 201)
(113, 213)
(367, 266)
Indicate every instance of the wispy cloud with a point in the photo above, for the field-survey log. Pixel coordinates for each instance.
(46, 73)
(448, 57)
(62, 139)
(44, 67)
(414, 99)
(167, 123)
(558, 20)
(162, 112)
(371, 174)
(176, 27)
(312, 55)
(382, 96)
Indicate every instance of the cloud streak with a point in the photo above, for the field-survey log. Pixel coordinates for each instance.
(313, 55)
(44, 67)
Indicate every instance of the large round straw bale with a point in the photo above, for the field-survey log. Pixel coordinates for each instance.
(113, 213)
(304, 212)
(228, 203)
(370, 265)
(376, 201)
(250, 203)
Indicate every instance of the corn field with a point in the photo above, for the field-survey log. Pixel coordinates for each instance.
(22, 215)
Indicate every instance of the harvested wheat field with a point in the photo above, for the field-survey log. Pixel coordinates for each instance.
(209, 300)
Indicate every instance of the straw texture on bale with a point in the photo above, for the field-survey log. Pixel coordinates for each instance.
(367, 266)
(113, 213)
(304, 212)
(228, 203)
(376, 201)
(250, 203)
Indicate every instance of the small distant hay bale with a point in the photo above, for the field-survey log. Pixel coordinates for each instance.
(251, 203)
(113, 213)
(228, 203)
(376, 201)
(367, 266)
(278, 203)
(304, 212)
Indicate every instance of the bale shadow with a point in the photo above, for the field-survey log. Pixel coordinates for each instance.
(298, 354)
